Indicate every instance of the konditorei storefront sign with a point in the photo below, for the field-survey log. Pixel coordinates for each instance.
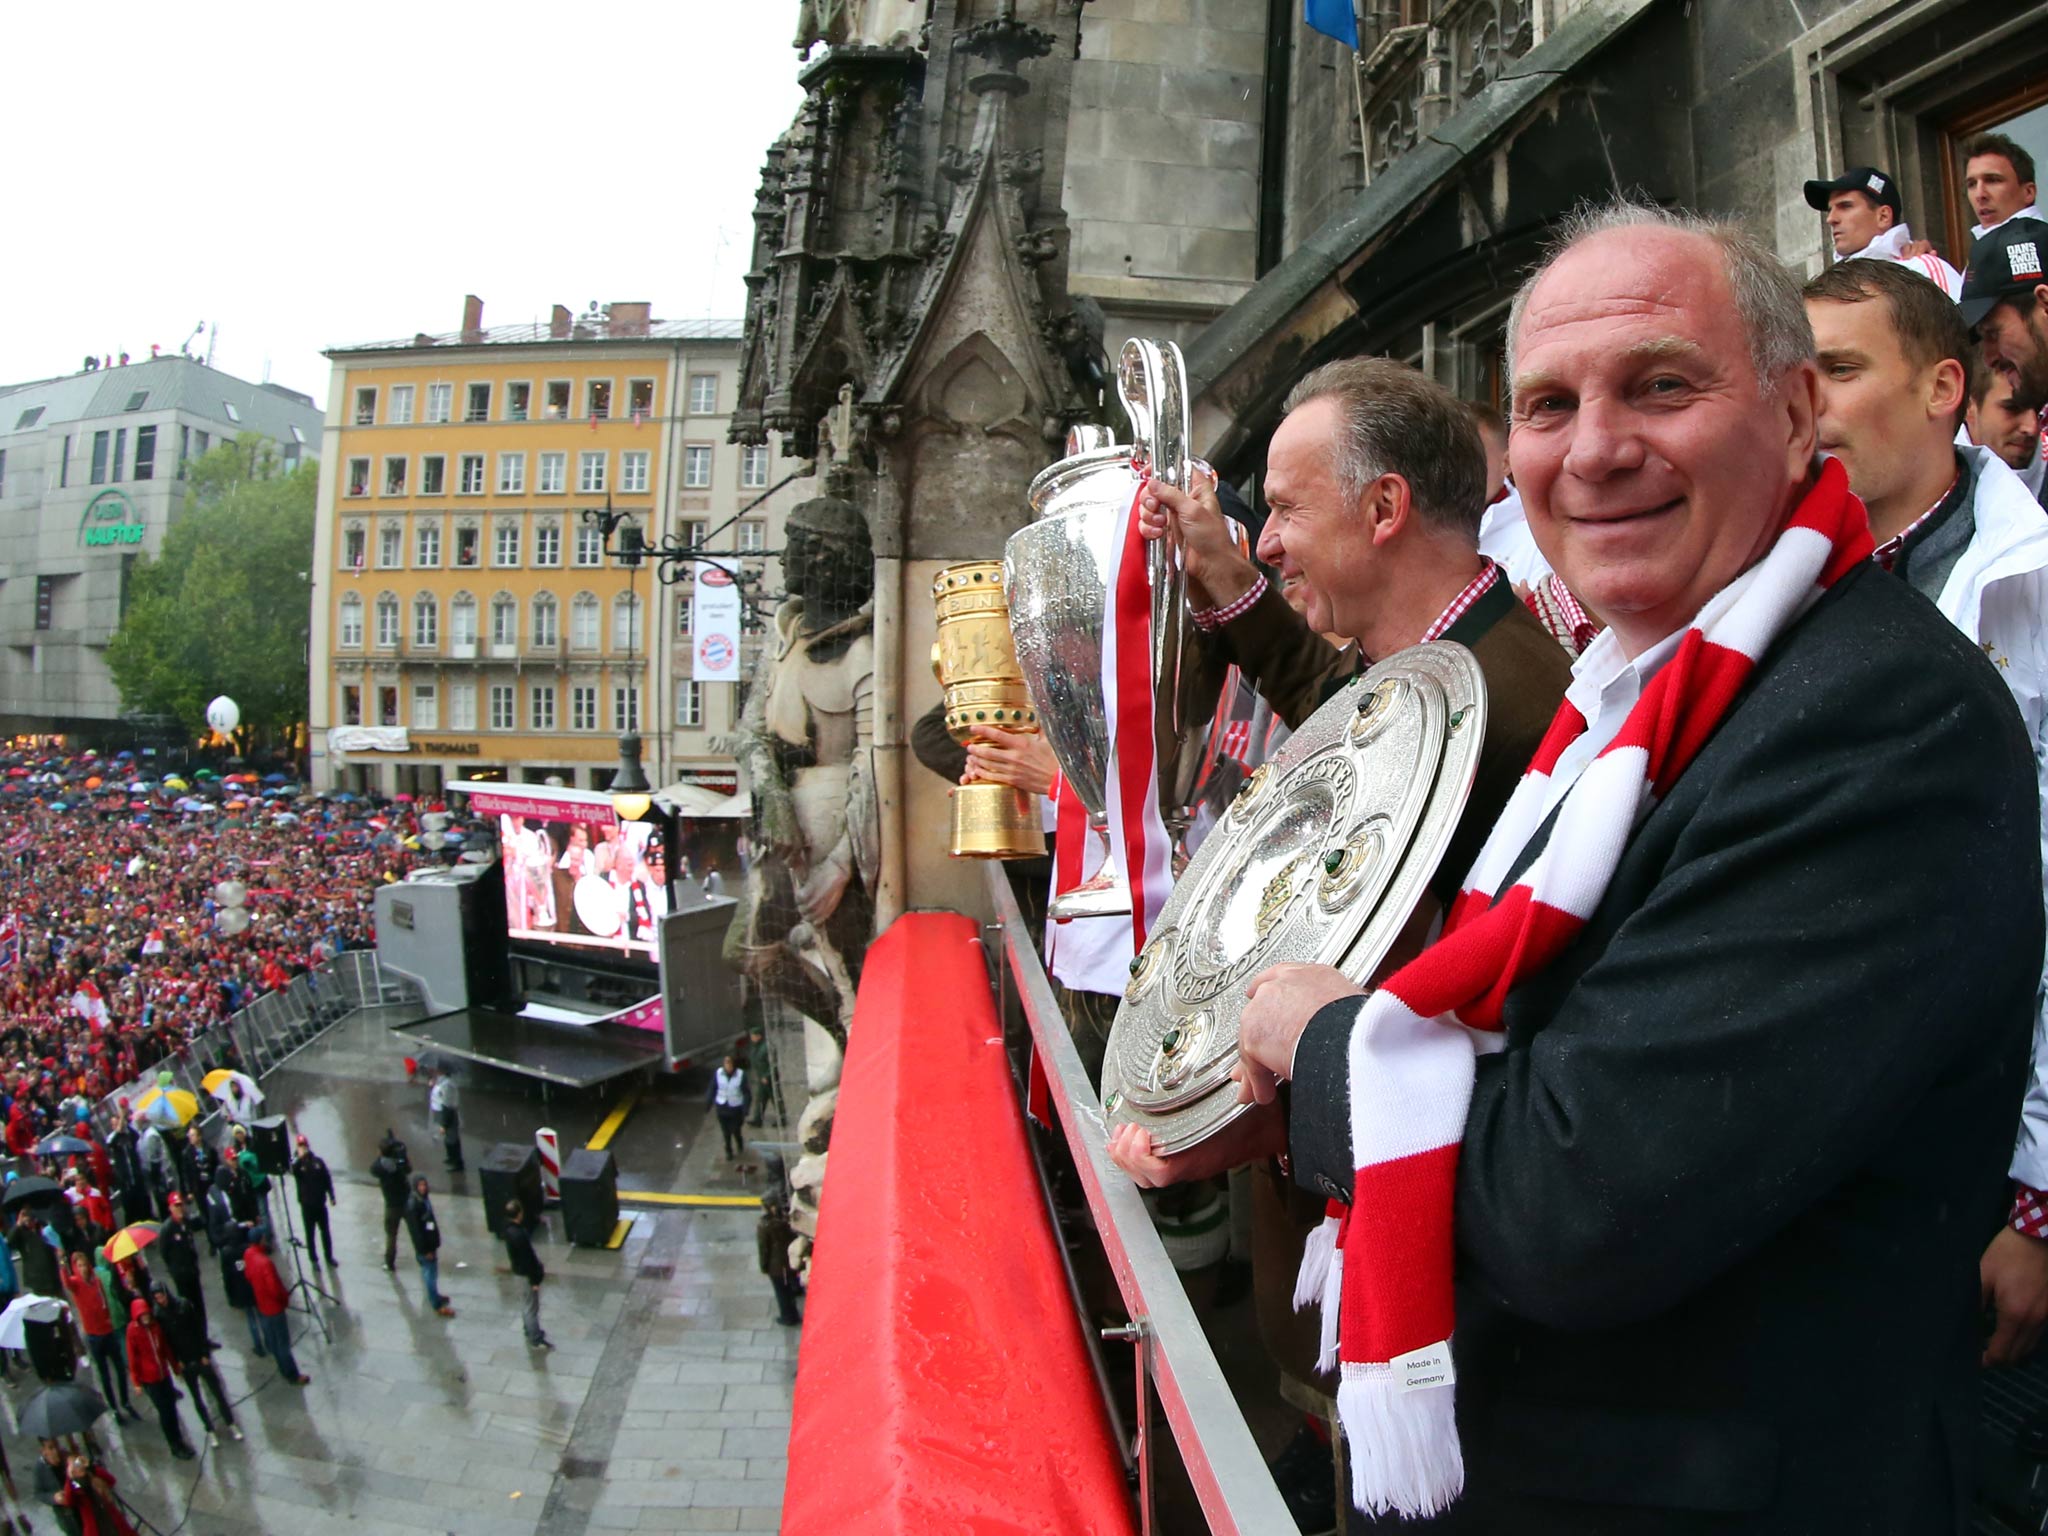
(111, 518)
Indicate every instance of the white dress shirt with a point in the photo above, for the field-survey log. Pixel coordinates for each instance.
(1605, 686)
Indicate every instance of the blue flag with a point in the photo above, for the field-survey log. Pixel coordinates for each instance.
(1332, 18)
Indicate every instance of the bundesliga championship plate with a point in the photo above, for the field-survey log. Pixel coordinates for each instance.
(1320, 859)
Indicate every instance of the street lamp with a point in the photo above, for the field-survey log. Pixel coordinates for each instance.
(632, 795)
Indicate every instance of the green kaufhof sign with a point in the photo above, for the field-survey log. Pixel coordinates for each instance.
(111, 518)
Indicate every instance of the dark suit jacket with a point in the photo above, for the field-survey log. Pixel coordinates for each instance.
(1721, 1199)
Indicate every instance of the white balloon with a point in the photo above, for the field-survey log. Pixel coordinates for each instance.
(231, 893)
(224, 714)
(231, 920)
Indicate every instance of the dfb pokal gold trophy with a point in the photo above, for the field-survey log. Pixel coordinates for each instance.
(976, 663)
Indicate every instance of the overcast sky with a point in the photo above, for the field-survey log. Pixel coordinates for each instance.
(308, 176)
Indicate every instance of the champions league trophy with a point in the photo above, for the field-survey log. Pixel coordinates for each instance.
(976, 664)
(1058, 573)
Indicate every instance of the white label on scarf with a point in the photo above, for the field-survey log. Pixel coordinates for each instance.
(1429, 1366)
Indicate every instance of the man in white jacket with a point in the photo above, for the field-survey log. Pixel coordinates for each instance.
(2009, 429)
(1867, 222)
(1998, 180)
(1956, 524)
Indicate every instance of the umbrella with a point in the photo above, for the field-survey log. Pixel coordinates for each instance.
(284, 819)
(30, 1186)
(205, 773)
(237, 1090)
(62, 1146)
(59, 805)
(277, 778)
(130, 1241)
(166, 1106)
(174, 782)
(41, 1309)
(65, 1409)
(17, 773)
(138, 786)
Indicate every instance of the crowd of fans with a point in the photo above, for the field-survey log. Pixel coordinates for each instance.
(115, 949)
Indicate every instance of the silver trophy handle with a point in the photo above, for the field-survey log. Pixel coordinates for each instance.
(1152, 379)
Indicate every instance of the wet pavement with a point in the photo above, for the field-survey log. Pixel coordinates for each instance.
(664, 1406)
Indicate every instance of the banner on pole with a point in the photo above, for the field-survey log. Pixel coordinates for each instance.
(715, 623)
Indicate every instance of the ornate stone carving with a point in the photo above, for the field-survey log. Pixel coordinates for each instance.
(1005, 42)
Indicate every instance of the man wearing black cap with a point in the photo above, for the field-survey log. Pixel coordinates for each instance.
(1866, 219)
(2005, 302)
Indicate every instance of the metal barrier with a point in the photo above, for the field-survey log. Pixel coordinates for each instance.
(275, 1026)
(1230, 1479)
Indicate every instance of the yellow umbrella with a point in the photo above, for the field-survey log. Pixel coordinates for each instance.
(220, 1075)
(130, 1241)
(169, 1106)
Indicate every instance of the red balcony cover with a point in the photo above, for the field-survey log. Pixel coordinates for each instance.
(943, 1385)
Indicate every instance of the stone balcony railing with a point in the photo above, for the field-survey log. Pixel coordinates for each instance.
(1414, 76)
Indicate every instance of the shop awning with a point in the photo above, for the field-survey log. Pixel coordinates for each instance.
(943, 1383)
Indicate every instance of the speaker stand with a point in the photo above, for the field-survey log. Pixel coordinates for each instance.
(300, 1285)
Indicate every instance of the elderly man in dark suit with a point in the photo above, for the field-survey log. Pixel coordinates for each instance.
(1731, 1114)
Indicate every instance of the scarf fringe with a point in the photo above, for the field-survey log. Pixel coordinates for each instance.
(1403, 1446)
(1332, 1309)
(1317, 1254)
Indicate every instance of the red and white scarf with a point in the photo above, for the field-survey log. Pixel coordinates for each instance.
(1381, 1267)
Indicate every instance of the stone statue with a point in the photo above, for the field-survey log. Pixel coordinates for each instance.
(868, 23)
(807, 747)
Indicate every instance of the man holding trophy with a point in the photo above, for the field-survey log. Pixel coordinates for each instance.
(1662, 1174)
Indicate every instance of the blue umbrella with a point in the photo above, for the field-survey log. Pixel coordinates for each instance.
(277, 778)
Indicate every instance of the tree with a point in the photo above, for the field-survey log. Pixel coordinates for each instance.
(224, 606)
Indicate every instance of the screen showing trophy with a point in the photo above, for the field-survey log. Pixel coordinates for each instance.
(577, 875)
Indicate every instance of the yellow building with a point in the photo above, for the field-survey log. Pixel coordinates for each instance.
(466, 620)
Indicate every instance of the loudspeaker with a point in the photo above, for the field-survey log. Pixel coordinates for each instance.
(270, 1143)
(590, 1197)
(510, 1171)
(52, 1350)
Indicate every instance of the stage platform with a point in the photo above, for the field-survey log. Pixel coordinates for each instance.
(575, 1056)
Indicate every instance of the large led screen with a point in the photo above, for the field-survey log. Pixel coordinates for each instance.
(576, 875)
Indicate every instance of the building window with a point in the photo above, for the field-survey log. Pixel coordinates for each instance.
(590, 469)
(145, 453)
(469, 471)
(554, 472)
(228, 407)
(462, 706)
(352, 622)
(28, 418)
(694, 531)
(501, 707)
(351, 705)
(64, 456)
(518, 397)
(689, 705)
(440, 401)
(703, 394)
(366, 407)
(557, 407)
(547, 629)
(547, 544)
(468, 542)
(640, 399)
(626, 623)
(633, 470)
(626, 708)
(387, 621)
(387, 705)
(683, 618)
(476, 403)
(504, 619)
(120, 450)
(583, 707)
(697, 468)
(201, 439)
(426, 623)
(101, 441)
(426, 708)
(462, 620)
(505, 549)
(583, 622)
(753, 536)
(394, 476)
(46, 600)
(754, 467)
(390, 546)
(401, 405)
(433, 474)
(426, 546)
(511, 473)
(359, 477)
(541, 707)
(354, 543)
(589, 545)
(597, 396)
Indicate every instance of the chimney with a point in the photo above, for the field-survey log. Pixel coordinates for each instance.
(558, 324)
(472, 319)
(630, 319)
